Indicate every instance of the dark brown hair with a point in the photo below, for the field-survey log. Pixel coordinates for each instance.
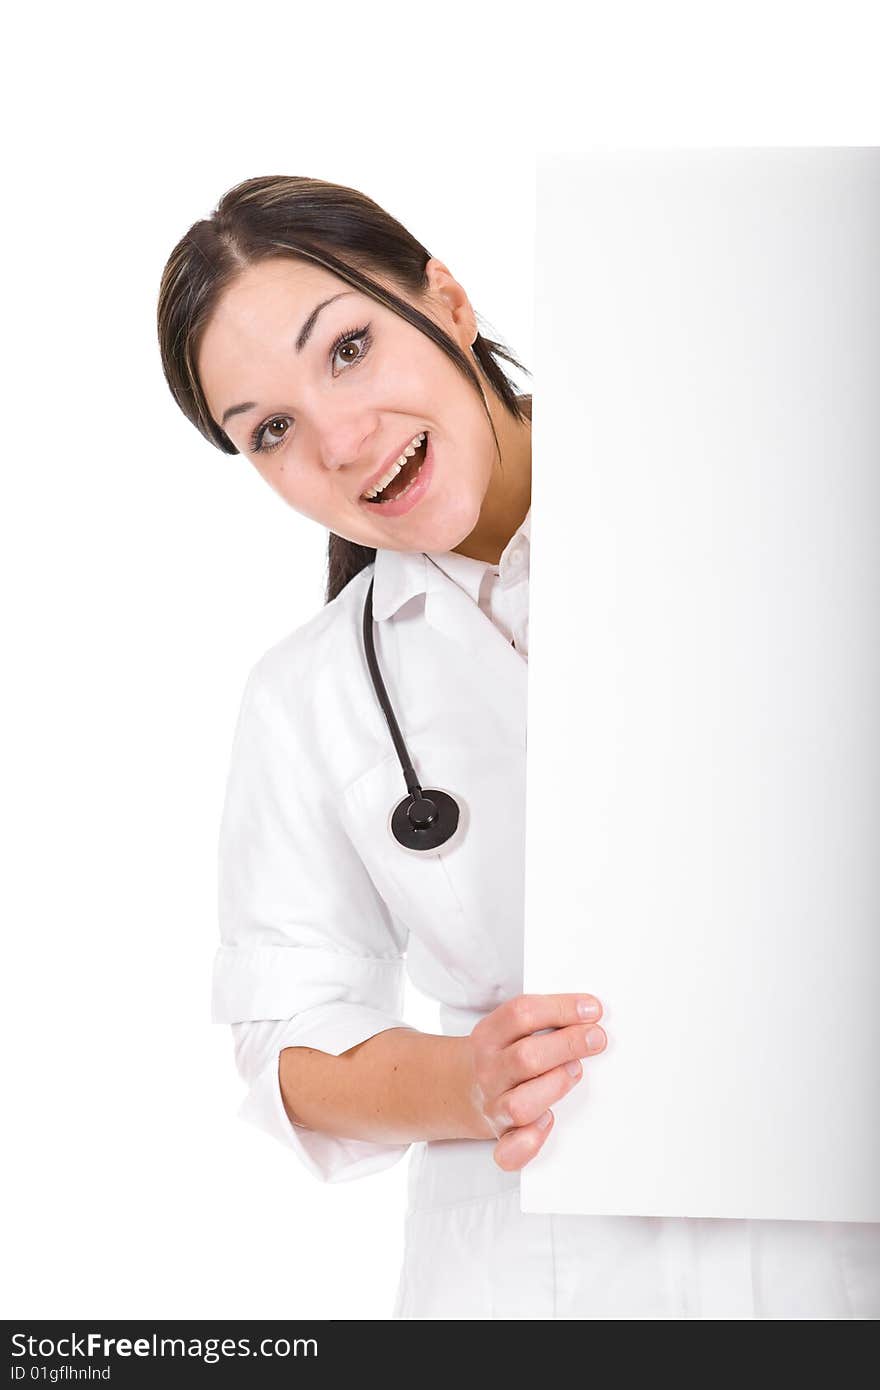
(330, 225)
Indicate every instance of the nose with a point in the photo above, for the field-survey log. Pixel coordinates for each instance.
(344, 444)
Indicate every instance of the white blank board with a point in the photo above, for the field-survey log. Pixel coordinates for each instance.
(703, 827)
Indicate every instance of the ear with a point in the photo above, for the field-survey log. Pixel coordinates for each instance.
(452, 302)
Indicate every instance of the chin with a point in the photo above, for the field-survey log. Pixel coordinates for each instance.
(452, 524)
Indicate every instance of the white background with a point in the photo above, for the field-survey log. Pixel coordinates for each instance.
(143, 572)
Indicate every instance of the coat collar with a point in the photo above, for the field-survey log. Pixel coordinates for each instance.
(401, 575)
(449, 609)
(398, 576)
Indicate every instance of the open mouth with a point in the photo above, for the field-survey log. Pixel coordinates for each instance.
(403, 480)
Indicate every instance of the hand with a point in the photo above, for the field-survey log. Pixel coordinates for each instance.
(517, 1071)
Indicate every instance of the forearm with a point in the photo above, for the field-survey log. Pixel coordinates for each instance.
(398, 1086)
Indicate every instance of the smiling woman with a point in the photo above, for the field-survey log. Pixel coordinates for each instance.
(304, 327)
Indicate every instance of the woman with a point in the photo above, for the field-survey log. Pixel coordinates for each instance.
(305, 328)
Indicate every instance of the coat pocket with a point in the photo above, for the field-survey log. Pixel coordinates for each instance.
(420, 891)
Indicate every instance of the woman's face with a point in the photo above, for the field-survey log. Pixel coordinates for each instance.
(333, 415)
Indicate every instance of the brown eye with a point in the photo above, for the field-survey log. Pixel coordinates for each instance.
(263, 431)
(355, 343)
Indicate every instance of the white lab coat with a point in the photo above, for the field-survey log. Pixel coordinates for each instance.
(321, 912)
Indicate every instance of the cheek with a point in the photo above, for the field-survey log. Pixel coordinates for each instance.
(470, 471)
(320, 497)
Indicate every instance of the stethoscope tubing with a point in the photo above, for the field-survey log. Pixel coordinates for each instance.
(423, 820)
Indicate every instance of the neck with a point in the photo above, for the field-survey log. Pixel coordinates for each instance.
(509, 494)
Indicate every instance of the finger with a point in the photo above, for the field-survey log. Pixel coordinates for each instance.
(543, 1052)
(524, 1014)
(522, 1105)
(518, 1146)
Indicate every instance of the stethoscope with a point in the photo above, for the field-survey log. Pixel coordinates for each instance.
(424, 820)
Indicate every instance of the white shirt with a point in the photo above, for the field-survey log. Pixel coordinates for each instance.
(321, 912)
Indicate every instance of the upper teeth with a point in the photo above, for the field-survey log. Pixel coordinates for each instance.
(395, 467)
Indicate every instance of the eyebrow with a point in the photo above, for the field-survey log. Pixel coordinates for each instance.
(301, 339)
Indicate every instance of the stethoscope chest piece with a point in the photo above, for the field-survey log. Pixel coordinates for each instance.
(425, 821)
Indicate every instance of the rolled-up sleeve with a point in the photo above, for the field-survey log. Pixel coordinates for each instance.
(309, 955)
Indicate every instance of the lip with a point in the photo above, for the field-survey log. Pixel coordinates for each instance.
(414, 494)
(392, 458)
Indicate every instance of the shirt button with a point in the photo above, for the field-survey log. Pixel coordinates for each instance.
(516, 560)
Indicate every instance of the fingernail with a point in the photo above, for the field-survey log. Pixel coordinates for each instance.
(587, 1008)
(573, 1068)
(595, 1038)
(543, 1120)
